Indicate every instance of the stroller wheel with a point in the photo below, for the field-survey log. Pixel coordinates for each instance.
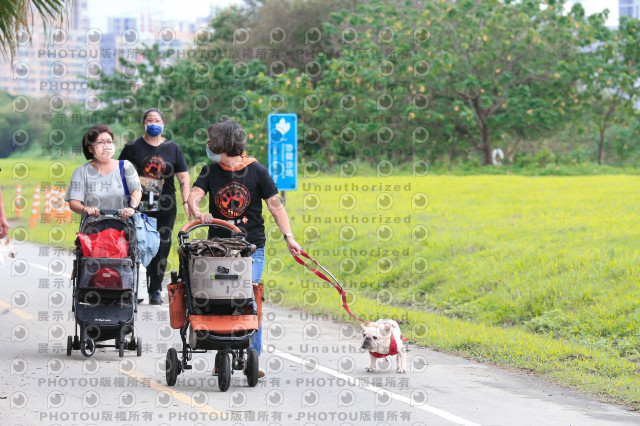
(69, 345)
(172, 367)
(121, 349)
(251, 368)
(88, 347)
(139, 347)
(224, 370)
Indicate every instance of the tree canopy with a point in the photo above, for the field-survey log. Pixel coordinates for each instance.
(402, 81)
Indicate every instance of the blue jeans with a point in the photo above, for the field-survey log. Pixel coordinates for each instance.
(258, 267)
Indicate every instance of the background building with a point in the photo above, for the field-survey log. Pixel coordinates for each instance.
(53, 62)
(59, 62)
(630, 8)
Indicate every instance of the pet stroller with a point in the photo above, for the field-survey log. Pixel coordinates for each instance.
(105, 285)
(211, 303)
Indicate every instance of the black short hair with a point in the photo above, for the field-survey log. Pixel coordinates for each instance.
(149, 111)
(227, 135)
(90, 138)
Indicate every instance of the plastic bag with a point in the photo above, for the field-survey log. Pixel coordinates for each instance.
(147, 236)
(108, 243)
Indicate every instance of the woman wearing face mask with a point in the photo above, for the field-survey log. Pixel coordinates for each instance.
(97, 185)
(158, 160)
(237, 184)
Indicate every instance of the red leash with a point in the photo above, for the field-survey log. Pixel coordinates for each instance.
(334, 283)
(338, 287)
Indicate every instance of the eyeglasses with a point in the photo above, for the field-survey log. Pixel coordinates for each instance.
(104, 142)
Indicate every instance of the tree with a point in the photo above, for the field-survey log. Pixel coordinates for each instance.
(503, 65)
(290, 30)
(21, 130)
(609, 70)
(22, 15)
(191, 93)
(358, 101)
(372, 97)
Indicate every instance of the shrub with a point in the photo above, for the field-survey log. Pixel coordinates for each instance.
(472, 163)
(545, 156)
(523, 159)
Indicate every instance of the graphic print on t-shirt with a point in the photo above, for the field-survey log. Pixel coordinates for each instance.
(232, 199)
(154, 167)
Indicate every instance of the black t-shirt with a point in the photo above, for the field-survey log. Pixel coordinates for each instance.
(157, 162)
(236, 197)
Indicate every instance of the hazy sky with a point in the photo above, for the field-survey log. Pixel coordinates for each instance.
(189, 10)
(594, 6)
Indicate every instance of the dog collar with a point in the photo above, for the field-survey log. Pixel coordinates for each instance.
(393, 349)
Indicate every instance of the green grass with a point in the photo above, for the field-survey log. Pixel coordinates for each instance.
(552, 169)
(537, 273)
(29, 172)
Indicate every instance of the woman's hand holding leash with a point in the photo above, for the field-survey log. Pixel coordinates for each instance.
(294, 248)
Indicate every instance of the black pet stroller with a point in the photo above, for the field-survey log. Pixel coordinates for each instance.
(210, 301)
(105, 288)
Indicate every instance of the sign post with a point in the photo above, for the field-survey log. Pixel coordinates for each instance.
(283, 151)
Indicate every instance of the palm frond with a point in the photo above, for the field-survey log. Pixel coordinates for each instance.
(19, 15)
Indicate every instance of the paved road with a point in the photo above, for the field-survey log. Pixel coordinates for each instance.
(315, 373)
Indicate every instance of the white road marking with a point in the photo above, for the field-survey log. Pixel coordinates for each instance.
(45, 268)
(351, 380)
(356, 382)
(18, 312)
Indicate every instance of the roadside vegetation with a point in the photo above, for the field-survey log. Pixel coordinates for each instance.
(537, 273)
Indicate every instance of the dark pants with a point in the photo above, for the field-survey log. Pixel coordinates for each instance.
(155, 269)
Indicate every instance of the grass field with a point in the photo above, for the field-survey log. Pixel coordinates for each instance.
(537, 273)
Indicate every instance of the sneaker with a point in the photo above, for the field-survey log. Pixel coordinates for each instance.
(260, 373)
(155, 298)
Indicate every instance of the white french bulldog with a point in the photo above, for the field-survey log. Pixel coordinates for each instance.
(6, 250)
(383, 338)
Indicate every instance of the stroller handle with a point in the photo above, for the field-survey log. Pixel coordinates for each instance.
(187, 228)
(184, 231)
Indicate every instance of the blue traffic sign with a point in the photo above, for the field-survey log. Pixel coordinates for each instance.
(283, 150)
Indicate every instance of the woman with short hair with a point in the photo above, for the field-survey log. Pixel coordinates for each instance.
(97, 184)
(237, 184)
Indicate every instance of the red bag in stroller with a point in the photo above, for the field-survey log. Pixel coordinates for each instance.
(108, 243)
(106, 278)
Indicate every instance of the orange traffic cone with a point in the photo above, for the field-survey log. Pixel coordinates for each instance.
(54, 204)
(20, 202)
(47, 205)
(35, 207)
(58, 204)
(62, 218)
(68, 214)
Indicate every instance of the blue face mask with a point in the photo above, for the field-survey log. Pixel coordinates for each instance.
(153, 129)
(215, 158)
